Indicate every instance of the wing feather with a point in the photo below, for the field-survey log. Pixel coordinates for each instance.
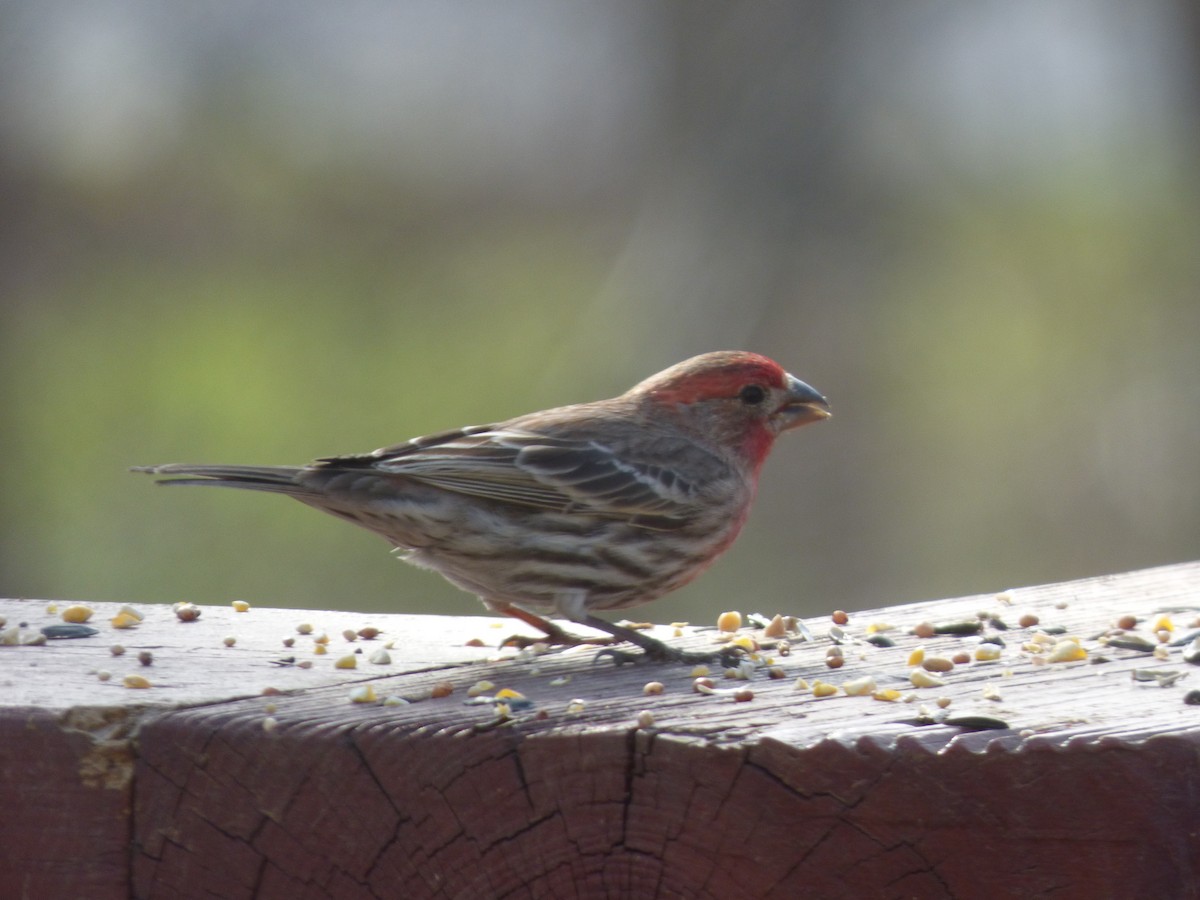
(541, 471)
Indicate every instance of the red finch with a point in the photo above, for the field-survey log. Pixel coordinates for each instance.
(595, 506)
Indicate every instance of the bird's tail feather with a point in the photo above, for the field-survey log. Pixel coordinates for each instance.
(276, 479)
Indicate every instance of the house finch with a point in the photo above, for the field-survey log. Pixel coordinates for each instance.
(594, 506)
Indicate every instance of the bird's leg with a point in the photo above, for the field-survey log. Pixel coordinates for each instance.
(655, 650)
(573, 605)
(553, 633)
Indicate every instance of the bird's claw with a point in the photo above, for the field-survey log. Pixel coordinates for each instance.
(728, 657)
(619, 657)
(558, 638)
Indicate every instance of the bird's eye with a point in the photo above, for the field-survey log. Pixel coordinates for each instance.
(752, 395)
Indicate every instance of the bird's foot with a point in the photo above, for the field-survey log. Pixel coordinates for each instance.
(555, 637)
(725, 657)
(656, 651)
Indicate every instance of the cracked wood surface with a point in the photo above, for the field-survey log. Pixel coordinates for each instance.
(1092, 789)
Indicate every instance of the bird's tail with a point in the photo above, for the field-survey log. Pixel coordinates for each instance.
(275, 479)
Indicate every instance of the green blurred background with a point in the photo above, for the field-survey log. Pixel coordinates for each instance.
(264, 232)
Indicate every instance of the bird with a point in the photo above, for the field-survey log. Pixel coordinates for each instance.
(596, 506)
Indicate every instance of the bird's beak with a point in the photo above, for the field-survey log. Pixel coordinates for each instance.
(804, 404)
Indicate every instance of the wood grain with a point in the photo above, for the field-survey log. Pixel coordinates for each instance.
(181, 790)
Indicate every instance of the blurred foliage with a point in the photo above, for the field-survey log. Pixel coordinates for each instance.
(1010, 350)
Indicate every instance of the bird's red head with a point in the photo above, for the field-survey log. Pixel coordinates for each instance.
(734, 399)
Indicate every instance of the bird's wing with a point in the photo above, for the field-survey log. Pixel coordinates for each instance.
(541, 471)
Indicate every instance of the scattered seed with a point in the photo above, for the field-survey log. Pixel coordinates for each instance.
(1191, 653)
(800, 685)
(922, 678)
(229, 641)
(475, 642)
(576, 706)
(136, 681)
(369, 632)
(304, 628)
(350, 634)
(1005, 598)
(653, 687)
(1127, 623)
(380, 657)
(823, 689)
(775, 628)
(320, 649)
(977, 723)
(966, 626)
(442, 689)
(729, 622)
(349, 661)
(840, 617)
(124, 620)
(880, 640)
(1192, 697)
(858, 687)
(186, 612)
(1163, 678)
(986, 652)
(480, 687)
(702, 685)
(103, 674)
(991, 692)
(393, 700)
(146, 658)
(743, 695)
(1132, 642)
(916, 657)
(304, 664)
(77, 613)
(560, 681)
(938, 664)
(925, 630)
(364, 693)
(887, 694)
(776, 673)
(1028, 620)
(269, 724)
(645, 719)
(240, 606)
(289, 642)
(54, 633)
(1067, 650)
(943, 702)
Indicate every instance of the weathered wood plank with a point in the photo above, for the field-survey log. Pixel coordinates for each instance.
(1092, 789)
